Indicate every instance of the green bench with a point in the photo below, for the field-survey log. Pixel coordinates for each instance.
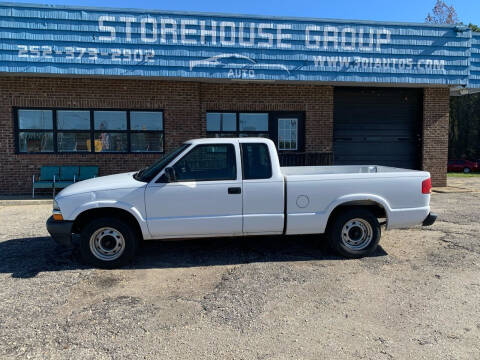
(59, 177)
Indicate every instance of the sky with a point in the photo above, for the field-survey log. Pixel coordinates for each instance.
(382, 10)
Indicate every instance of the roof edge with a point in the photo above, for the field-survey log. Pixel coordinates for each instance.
(205, 14)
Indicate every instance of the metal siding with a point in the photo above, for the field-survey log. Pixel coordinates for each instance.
(62, 28)
(475, 62)
(377, 126)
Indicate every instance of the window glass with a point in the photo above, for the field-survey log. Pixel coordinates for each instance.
(112, 131)
(35, 119)
(287, 134)
(221, 122)
(73, 120)
(146, 120)
(256, 161)
(150, 172)
(77, 141)
(207, 163)
(223, 135)
(264, 135)
(214, 121)
(110, 120)
(35, 141)
(110, 142)
(147, 141)
(253, 122)
(229, 122)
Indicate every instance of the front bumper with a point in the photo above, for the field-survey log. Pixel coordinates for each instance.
(61, 231)
(430, 219)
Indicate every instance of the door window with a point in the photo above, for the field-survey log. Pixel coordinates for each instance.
(207, 163)
(287, 134)
(256, 161)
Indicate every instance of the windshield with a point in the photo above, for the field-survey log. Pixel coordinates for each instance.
(148, 173)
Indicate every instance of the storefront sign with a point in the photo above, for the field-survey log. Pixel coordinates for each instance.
(66, 40)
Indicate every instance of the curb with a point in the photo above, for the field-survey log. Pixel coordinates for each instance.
(19, 202)
(451, 190)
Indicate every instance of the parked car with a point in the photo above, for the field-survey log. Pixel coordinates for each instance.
(461, 165)
(236, 187)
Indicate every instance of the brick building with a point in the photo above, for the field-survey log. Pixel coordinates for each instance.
(119, 88)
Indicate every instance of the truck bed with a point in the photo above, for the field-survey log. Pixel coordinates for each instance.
(314, 191)
(344, 169)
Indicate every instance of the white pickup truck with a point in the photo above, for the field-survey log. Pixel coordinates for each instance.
(236, 187)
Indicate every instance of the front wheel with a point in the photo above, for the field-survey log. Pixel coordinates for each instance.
(467, 170)
(354, 233)
(108, 243)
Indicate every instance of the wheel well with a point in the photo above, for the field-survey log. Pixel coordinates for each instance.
(377, 209)
(88, 215)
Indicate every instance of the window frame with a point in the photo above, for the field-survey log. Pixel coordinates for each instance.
(17, 130)
(92, 131)
(272, 132)
(237, 132)
(207, 180)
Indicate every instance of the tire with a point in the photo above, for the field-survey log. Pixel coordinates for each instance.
(108, 243)
(467, 170)
(354, 233)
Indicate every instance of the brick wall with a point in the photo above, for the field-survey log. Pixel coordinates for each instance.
(184, 104)
(436, 108)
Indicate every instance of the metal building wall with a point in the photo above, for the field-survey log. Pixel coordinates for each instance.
(95, 41)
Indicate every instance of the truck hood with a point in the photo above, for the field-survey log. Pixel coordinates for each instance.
(110, 182)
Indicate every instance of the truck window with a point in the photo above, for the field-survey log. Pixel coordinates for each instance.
(207, 163)
(256, 161)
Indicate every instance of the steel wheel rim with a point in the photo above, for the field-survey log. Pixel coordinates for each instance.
(107, 244)
(357, 234)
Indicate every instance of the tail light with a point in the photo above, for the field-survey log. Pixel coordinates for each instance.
(427, 186)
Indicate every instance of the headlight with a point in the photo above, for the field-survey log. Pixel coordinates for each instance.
(55, 206)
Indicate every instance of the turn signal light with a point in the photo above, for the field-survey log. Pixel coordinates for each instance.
(57, 217)
(427, 186)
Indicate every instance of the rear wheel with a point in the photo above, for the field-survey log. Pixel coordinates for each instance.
(467, 170)
(108, 243)
(354, 233)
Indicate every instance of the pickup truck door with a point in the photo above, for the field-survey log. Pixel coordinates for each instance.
(263, 191)
(204, 200)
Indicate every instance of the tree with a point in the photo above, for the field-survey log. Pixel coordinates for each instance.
(464, 135)
(442, 14)
(474, 27)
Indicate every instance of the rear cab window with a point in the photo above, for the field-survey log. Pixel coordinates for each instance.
(256, 161)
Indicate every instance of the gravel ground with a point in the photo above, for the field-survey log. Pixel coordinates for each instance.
(418, 297)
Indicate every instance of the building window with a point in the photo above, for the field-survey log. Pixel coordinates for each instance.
(287, 134)
(110, 131)
(35, 130)
(146, 131)
(65, 130)
(73, 130)
(228, 124)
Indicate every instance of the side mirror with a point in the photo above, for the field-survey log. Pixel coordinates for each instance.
(170, 174)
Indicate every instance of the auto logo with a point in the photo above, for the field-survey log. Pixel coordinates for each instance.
(240, 66)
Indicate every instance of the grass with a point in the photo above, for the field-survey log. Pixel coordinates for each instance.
(459, 174)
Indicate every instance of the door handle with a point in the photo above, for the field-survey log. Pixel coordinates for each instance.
(235, 190)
